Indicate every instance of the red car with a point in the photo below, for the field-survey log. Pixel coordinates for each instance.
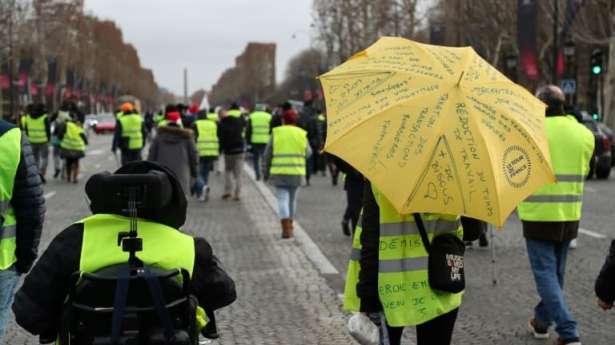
(105, 124)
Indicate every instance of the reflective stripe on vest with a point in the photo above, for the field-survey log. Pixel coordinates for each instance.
(289, 146)
(352, 302)
(261, 122)
(403, 285)
(72, 138)
(571, 146)
(132, 128)
(35, 128)
(163, 246)
(207, 141)
(10, 146)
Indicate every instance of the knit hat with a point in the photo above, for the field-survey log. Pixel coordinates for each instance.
(290, 117)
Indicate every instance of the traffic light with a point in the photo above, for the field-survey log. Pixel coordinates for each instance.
(596, 62)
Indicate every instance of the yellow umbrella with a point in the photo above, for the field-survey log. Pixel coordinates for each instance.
(437, 129)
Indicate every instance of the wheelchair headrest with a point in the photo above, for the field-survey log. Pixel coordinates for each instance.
(161, 198)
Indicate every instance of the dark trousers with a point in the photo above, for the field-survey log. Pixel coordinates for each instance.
(130, 156)
(206, 164)
(354, 198)
(257, 153)
(438, 331)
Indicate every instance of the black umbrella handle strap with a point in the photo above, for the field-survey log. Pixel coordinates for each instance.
(419, 223)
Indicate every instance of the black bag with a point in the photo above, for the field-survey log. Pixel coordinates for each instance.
(446, 263)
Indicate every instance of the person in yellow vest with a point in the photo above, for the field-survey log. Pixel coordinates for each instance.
(91, 244)
(37, 127)
(551, 217)
(212, 114)
(393, 285)
(22, 212)
(129, 136)
(126, 107)
(72, 143)
(284, 167)
(208, 146)
(257, 134)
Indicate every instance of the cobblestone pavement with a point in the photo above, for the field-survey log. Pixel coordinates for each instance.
(492, 314)
(282, 298)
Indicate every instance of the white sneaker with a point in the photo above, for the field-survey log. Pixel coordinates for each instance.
(573, 244)
(202, 194)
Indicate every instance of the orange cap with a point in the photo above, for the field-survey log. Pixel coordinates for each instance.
(126, 107)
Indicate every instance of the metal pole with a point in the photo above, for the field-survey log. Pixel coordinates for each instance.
(186, 85)
(555, 40)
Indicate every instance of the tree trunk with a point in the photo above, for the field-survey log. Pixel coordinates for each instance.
(609, 86)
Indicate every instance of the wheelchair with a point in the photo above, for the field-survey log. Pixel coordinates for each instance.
(131, 303)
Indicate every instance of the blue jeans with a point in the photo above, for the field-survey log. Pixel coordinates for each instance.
(287, 201)
(8, 282)
(257, 153)
(205, 166)
(548, 262)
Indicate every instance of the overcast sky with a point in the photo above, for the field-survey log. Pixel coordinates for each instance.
(205, 36)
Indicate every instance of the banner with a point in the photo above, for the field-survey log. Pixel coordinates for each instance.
(527, 13)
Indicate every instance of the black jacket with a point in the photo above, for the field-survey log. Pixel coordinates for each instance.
(230, 135)
(367, 287)
(308, 120)
(39, 302)
(28, 204)
(605, 284)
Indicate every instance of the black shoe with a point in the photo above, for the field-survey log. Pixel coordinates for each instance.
(43, 179)
(346, 227)
(468, 244)
(56, 173)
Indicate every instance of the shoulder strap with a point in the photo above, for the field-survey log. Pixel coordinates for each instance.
(419, 223)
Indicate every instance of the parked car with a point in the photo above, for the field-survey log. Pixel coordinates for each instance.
(105, 124)
(602, 159)
(609, 133)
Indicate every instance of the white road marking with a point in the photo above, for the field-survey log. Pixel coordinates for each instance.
(96, 152)
(304, 240)
(591, 233)
(49, 195)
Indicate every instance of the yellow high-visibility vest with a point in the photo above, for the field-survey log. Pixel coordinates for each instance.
(132, 128)
(10, 146)
(289, 147)
(571, 146)
(207, 141)
(261, 126)
(352, 302)
(163, 247)
(403, 283)
(72, 138)
(35, 128)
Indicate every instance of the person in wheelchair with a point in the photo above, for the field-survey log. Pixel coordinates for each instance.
(97, 283)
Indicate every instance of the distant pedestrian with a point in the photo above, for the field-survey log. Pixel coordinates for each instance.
(129, 136)
(284, 167)
(22, 211)
(353, 185)
(174, 148)
(232, 144)
(551, 217)
(258, 133)
(308, 120)
(208, 146)
(59, 120)
(73, 143)
(38, 129)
